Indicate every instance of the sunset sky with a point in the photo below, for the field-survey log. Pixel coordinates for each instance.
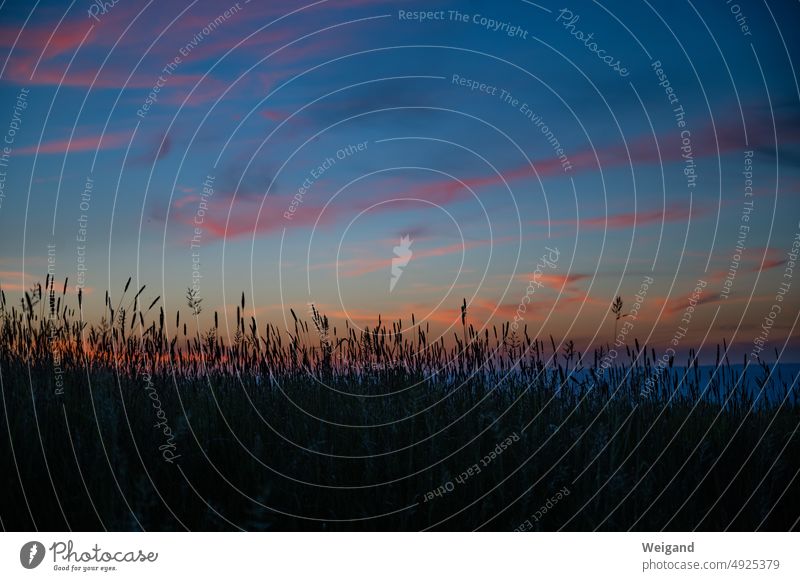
(284, 149)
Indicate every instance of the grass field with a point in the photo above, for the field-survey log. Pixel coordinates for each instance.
(142, 422)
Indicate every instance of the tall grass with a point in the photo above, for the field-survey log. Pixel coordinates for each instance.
(314, 427)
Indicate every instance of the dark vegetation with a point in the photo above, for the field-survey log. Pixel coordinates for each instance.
(310, 428)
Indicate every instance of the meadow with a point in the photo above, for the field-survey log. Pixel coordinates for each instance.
(145, 422)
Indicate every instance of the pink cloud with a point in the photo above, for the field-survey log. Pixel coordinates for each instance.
(20, 69)
(35, 37)
(360, 266)
(16, 281)
(35, 58)
(41, 44)
(274, 115)
(772, 257)
(81, 143)
(726, 136)
(679, 304)
(245, 219)
(673, 213)
(752, 262)
(553, 281)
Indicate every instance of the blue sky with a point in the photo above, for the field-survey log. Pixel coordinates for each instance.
(260, 98)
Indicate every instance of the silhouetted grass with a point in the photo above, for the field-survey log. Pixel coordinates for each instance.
(313, 428)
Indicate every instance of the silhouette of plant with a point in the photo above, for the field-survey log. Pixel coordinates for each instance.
(616, 309)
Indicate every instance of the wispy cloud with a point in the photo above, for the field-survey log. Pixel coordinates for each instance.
(672, 213)
(355, 267)
(79, 143)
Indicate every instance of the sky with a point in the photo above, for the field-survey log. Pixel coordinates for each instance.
(369, 156)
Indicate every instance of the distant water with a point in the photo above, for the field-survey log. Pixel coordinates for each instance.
(778, 378)
(714, 382)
